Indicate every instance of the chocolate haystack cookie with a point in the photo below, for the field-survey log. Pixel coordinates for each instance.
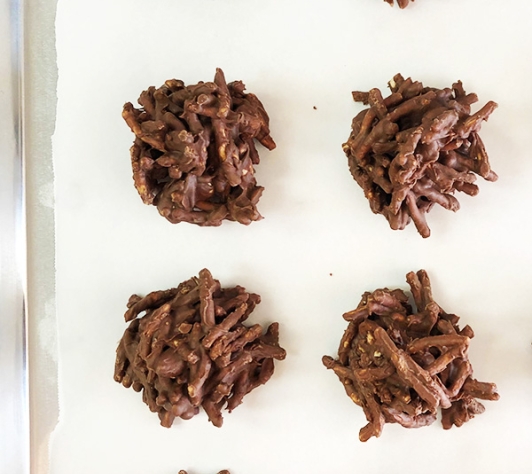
(415, 148)
(401, 3)
(221, 472)
(402, 365)
(194, 150)
(191, 349)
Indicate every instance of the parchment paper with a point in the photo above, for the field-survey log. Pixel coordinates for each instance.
(318, 248)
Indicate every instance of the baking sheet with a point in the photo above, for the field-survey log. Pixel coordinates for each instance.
(14, 407)
(318, 248)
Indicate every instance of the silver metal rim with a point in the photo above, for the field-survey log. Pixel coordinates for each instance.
(14, 400)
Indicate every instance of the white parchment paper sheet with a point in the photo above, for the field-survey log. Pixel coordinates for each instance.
(319, 246)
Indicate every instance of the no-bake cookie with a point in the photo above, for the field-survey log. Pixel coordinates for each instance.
(221, 472)
(188, 347)
(401, 364)
(401, 3)
(194, 150)
(416, 148)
